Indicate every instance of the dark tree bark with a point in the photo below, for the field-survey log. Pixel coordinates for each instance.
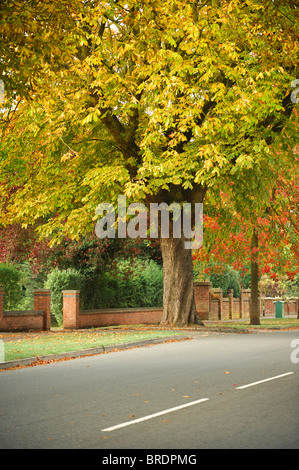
(178, 289)
(178, 286)
(254, 303)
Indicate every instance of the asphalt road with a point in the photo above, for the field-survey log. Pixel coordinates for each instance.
(183, 395)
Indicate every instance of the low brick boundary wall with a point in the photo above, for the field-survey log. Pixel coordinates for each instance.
(210, 305)
(74, 318)
(202, 297)
(230, 308)
(127, 316)
(22, 320)
(290, 307)
(37, 319)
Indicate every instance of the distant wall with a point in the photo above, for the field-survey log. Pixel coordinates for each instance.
(229, 308)
(212, 305)
(290, 307)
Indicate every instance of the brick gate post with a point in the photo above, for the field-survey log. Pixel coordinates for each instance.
(71, 309)
(202, 297)
(42, 301)
(230, 293)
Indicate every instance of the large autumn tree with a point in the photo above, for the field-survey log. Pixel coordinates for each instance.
(154, 100)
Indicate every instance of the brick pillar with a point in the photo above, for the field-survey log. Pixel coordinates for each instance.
(71, 309)
(268, 307)
(42, 301)
(218, 293)
(241, 304)
(202, 292)
(1, 304)
(230, 294)
(261, 306)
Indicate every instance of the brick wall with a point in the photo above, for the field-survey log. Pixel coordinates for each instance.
(128, 316)
(269, 307)
(37, 319)
(22, 321)
(226, 308)
(202, 291)
(229, 308)
(71, 308)
(42, 302)
(290, 307)
(74, 318)
(210, 304)
(216, 304)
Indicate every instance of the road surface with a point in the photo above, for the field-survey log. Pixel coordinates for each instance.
(215, 391)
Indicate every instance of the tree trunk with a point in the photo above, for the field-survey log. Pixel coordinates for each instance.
(254, 303)
(178, 289)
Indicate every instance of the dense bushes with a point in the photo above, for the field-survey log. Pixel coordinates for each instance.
(133, 284)
(137, 283)
(10, 278)
(220, 276)
(123, 283)
(58, 281)
(226, 279)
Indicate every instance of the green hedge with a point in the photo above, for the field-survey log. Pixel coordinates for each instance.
(226, 278)
(10, 278)
(221, 276)
(58, 281)
(137, 283)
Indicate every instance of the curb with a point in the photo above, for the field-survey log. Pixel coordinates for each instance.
(85, 352)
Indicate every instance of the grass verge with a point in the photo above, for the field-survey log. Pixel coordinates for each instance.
(31, 345)
(25, 345)
(266, 324)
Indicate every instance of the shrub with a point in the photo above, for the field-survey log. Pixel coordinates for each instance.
(29, 282)
(226, 278)
(58, 281)
(136, 283)
(127, 283)
(10, 280)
